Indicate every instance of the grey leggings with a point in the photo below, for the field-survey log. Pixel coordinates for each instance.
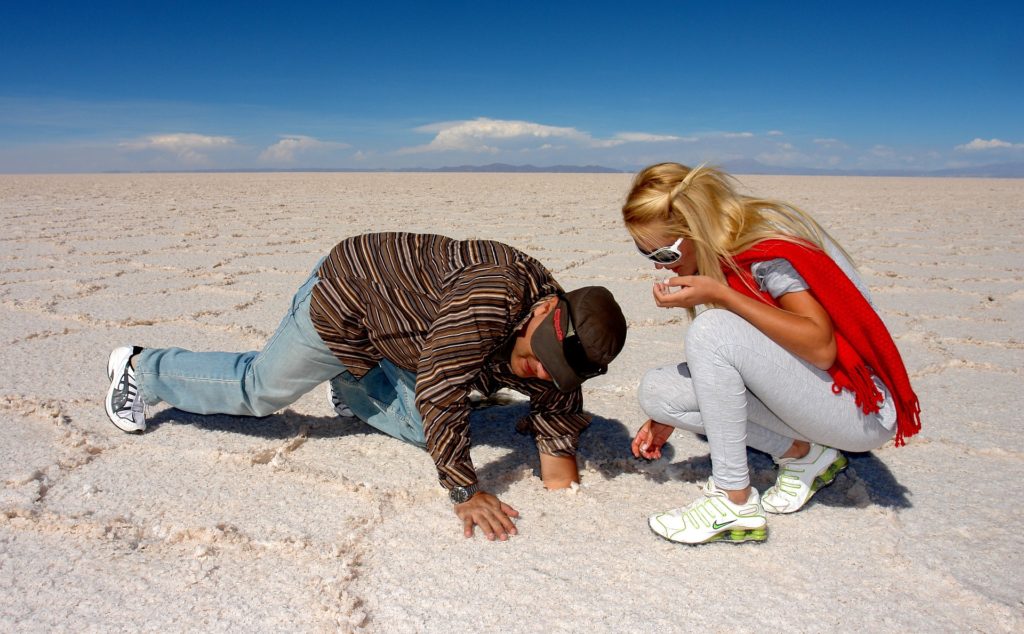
(740, 388)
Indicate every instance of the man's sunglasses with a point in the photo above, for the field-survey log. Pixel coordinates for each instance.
(664, 255)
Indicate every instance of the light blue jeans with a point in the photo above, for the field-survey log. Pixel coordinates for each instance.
(293, 362)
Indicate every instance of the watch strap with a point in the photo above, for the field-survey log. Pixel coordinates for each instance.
(461, 494)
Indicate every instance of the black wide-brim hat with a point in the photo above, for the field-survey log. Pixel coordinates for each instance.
(580, 336)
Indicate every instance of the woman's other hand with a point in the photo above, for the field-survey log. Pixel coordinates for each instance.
(650, 438)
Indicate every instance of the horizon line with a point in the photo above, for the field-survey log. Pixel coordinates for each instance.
(747, 167)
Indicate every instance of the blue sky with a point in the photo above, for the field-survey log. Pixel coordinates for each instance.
(188, 85)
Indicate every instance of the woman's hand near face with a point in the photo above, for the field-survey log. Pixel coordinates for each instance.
(687, 291)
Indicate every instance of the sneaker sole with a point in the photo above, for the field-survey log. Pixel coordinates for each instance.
(738, 536)
(829, 476)
(111, 366)
(825, 478)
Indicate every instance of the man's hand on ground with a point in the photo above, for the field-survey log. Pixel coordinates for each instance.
(493, 516)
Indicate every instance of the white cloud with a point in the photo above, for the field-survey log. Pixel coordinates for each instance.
(783, 154)
(830, 143)
(774, 133)
(547, 147)
(991, 144)
(643, 137)
(638, 137)
(284, 151)
(483, 135)
(480, 134)
(737, 135)
(886, 157)
(187, 146)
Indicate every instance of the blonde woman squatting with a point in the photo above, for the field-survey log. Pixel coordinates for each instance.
(785, 352)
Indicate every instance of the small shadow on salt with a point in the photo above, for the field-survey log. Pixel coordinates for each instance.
(867, 481)
(868, 472)
(278, 426)
(604, 447)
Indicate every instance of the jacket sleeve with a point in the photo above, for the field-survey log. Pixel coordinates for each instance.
(473, 319)
(556, 419)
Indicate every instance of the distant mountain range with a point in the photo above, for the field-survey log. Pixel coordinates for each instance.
(492, 167)
(742, 166)
(993, 170)
(505, 167)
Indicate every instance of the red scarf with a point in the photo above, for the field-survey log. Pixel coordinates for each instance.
(862, 340)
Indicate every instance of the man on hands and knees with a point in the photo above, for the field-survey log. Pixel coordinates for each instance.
(405, 326)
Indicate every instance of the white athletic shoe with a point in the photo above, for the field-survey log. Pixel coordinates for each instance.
(713, 518)
(339, 406)
(800, 478)
(124, 404)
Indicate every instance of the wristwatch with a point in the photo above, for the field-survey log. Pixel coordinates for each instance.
(459, 495)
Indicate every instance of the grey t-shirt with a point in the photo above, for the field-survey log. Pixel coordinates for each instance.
(778, 277)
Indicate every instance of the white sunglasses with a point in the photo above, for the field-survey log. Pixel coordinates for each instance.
(664, 255)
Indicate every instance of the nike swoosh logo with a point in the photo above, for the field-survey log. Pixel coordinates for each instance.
(717, 526)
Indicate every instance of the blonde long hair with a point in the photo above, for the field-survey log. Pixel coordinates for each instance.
(703, 206)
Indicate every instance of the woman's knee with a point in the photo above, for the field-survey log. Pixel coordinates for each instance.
(666, 393)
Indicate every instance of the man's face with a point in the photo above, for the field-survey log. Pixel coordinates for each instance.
(523, 361)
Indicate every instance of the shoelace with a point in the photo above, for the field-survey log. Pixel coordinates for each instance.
(139, 405)
(126, 393)
(789, 480)
(697, 513)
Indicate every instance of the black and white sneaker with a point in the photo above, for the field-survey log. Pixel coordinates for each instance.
(340, 407)
(124, 405)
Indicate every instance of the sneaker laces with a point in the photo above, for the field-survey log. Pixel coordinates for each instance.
(130, 404)
(139, 406)
(127, 392)
(788, 481)
(704, 511)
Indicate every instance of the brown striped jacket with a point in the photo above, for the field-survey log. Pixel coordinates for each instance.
(447, 310)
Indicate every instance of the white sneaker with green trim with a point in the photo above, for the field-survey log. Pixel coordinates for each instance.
(800, 478)
(713, 518)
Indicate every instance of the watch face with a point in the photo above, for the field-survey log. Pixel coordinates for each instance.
(458, 495)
